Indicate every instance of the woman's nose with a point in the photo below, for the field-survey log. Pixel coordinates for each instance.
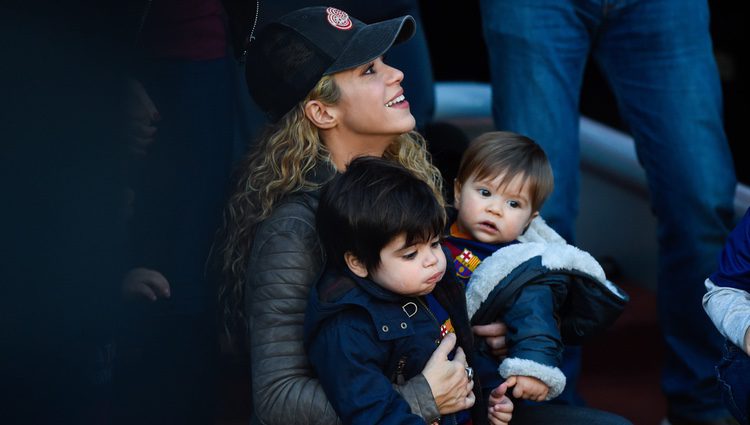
(395, 75)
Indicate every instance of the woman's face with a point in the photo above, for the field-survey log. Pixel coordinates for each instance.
(372, 101)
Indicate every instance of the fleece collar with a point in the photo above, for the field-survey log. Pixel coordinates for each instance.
(539, 240)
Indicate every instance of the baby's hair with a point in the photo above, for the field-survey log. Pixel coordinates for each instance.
(373, 202)
(507, 154)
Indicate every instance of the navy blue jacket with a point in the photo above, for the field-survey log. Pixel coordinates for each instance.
(362, 338)
(547, 292)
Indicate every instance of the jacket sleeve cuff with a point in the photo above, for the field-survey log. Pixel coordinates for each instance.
(418, 394)
(729, 310)
(551, 376)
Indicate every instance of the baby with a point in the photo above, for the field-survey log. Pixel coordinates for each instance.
(517, 269)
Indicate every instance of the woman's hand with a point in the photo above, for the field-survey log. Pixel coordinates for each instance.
(145, 284)
(494, 336)
(500, 407)
(448, 379)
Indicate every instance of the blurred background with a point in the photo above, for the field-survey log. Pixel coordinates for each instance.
(66, 202)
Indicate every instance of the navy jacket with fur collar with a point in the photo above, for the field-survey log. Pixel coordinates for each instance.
(542, 273)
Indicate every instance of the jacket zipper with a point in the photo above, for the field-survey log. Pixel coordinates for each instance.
(249, 39)
(437, 322)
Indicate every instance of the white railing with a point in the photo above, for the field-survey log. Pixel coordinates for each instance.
(604, 150)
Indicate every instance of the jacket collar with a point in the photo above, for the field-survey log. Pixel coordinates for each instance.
(322, 173)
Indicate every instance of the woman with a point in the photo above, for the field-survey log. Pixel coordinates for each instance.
(319, 75)
(328, 103)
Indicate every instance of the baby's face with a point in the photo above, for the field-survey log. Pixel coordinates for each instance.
(411, 270)
(491, 213)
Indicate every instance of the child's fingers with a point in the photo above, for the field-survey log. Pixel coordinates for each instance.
(497, 395)
(503, 405)
(501, 413)
(518, 391)
(494, 336)
(500, 417)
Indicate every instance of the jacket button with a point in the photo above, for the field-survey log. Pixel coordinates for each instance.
(385, 328)
(403, 325)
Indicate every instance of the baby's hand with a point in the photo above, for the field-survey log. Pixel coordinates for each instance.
(494, 335)
(141, 283)
(747, 341)
(528, 388)
(500, 409)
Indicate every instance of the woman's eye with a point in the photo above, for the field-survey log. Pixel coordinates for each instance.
(370, 69)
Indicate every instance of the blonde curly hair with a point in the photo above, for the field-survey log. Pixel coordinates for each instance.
(278, 166)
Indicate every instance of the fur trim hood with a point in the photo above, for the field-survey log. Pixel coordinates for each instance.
(591, 305)
(542, 241)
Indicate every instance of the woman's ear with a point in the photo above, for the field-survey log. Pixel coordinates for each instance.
(319, 114)
(355, 265)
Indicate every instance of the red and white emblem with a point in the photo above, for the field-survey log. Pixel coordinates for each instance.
(339, 19)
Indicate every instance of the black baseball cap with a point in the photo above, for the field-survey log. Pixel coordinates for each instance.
(290, 55)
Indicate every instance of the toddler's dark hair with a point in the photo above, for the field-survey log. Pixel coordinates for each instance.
(373, 202)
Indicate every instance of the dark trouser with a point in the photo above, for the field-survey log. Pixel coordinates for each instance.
(734, 381)
(552, 414)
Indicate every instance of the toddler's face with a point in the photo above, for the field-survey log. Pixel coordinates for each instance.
(410, 270)
(493, 214)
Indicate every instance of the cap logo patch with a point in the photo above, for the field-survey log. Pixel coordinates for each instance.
(338, 19)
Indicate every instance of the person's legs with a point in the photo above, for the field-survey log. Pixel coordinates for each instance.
(552, 414)
(733, 371)
(658, 59)
(537, 52)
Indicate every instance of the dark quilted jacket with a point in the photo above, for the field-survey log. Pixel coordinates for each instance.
(285, 260)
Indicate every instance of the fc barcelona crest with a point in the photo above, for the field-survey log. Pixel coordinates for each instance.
(465, 263)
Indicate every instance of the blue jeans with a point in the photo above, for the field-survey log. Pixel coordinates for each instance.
(657, 57)
(733, 371)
